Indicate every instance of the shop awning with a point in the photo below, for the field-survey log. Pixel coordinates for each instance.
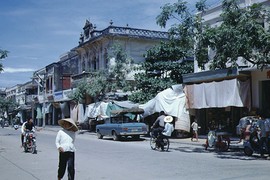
(218, 94)
(214, 75)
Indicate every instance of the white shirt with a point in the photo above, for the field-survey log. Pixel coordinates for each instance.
(65, 139)
(22, 128)
(168, 129)
(194, 126)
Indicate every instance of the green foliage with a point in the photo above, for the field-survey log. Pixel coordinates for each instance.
(94, 86)
(241, 34)
(7, 105)
(3, 55)
(120, 65)
(155, 76)
(101, 82)
(164, 63)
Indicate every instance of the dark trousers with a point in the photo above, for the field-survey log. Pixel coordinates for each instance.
(157, 131)
(268, 145)
(22, 137)
(66, 159)
(263, 143)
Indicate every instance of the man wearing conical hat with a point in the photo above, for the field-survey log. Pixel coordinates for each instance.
(65, 144)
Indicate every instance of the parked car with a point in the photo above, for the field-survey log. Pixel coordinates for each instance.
(122, 123)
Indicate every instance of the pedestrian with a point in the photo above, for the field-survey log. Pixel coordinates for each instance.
(261, 125)
(65, 144)
(194, 127)
(23, 133)
(267, 130)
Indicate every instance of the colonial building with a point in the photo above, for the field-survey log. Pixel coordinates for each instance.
(57, 80)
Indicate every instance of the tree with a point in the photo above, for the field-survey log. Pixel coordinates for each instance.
(241, 34)
(97, 84)
(3, 55)
(91, 88)
(120, 65)
(165, 63)
(6, 105)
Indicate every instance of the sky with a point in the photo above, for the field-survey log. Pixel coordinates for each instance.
(37, 32)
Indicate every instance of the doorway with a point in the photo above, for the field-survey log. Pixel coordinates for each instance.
(265, 98)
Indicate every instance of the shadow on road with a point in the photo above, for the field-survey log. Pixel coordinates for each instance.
(230, 154)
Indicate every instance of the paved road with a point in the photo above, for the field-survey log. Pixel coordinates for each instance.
(132, 160)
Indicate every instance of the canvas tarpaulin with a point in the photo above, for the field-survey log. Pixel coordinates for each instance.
(97, 109)
(218, 94)
(172, 102)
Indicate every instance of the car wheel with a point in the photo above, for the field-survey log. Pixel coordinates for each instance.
(115, 136)
(136, 137)
(99, 135)
(248, 151)
(153, 143)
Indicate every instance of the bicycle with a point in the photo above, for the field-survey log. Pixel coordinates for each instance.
(160, 142)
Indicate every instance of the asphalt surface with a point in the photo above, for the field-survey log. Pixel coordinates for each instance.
(201, 140)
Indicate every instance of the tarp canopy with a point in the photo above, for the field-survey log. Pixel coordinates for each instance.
(218, 94)
(172, 102)
(97, 109)
(104, 109)
(131, 110)
(119, 105)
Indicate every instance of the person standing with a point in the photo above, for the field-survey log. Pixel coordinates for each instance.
(267, 130)
(65, 145)
(23, 132)
(194, 127)
(262, 142)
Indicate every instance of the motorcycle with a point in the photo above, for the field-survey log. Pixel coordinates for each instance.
(160, 142)
(252, 142)
(219, 140)
(30, 142)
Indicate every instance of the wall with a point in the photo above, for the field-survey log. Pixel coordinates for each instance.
(257, 77)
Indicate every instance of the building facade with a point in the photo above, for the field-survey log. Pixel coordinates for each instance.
(58, 80)
(229, 94)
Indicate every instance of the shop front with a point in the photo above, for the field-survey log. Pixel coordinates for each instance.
(218, 98)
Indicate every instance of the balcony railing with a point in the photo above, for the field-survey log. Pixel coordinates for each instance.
(126, 31)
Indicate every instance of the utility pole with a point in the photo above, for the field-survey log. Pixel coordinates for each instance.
(43, 86)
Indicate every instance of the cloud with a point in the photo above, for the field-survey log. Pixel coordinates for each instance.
(17, 70)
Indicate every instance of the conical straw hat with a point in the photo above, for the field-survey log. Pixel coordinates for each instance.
(168, 119)
(74, 127)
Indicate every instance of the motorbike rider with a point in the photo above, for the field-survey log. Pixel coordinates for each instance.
(158, 125)
(166, 132)
(29, 126)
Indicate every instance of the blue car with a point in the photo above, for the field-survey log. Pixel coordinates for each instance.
(122, 123)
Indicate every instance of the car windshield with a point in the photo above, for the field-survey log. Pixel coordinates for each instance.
(121, 119)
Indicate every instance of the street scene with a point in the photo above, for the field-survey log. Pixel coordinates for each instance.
(152, 89)
(127, 159)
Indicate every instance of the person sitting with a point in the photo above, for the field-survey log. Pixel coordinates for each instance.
(166, 132)
(29, 126)
(168, 126)
(158, 125)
